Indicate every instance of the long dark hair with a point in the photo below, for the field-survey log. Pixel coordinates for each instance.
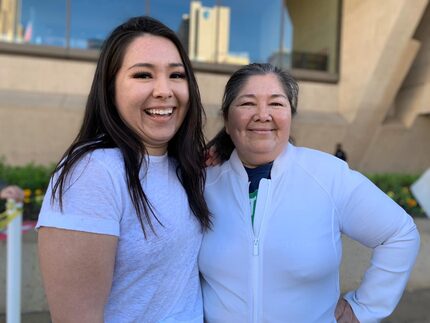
(103, 127)
(222, 141)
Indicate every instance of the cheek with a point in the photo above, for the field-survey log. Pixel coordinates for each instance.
(121, 97)
(283, 120)
(183, 94)
(237, 121)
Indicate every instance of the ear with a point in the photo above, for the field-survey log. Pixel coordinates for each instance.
(226, 127)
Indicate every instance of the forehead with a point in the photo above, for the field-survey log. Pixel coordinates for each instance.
(151, 49)
(266, 84)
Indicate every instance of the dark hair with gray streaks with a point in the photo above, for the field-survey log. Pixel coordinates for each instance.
(222, 141)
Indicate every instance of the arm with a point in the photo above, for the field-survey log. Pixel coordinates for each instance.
(77, 244)
(77, 270)
(373, 219)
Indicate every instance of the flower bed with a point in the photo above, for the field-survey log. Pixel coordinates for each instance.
(397, 186)
(33, 179)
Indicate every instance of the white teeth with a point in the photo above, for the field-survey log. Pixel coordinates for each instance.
(161, 112)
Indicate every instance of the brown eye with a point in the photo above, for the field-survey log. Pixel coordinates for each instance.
(142, 75)
(178, 75)
(244, 104)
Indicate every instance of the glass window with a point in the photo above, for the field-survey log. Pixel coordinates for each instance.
(42, 22)
(288, 33)
(170, 12)
(91, 21)
(228, 32)
(255, 28)
(315, 34)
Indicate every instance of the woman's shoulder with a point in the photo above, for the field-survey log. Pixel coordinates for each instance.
(316, 159)
(215, 173)
(326, 168)
(103, 160)
(108, 156)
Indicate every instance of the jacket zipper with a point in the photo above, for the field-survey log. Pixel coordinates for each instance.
(256, 251)
(257, 255)
(256, 271)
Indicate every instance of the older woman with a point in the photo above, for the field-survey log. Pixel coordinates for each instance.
(279, 211)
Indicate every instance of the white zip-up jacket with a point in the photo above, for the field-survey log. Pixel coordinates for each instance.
(286, 267)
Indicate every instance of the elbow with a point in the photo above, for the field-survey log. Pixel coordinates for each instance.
(64, 316)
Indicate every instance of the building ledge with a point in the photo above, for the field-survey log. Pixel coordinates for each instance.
(91, 55)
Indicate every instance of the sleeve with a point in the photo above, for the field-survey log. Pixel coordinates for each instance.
(91, 201)
(370, 217)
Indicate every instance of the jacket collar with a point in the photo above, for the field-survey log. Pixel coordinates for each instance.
(281, 164)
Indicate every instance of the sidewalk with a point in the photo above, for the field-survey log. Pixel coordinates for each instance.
(413, 308)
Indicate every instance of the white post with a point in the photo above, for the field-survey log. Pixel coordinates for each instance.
(13, 294)
(421, 191)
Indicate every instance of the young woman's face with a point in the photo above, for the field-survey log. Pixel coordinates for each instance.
(151, 91)
(259, 120)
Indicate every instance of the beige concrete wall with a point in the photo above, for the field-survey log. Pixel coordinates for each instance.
(414, 96)
(396, 148)
(45, 75)
(40, 115)
(400, 142)
(377, 52)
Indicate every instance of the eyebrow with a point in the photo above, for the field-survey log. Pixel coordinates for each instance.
(273, 96)
(149, 65)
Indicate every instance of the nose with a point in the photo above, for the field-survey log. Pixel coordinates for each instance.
(262, 113)
(162, 89)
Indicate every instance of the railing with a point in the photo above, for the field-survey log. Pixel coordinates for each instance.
(12, 219)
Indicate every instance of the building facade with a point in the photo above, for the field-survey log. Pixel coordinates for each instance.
(363, 71)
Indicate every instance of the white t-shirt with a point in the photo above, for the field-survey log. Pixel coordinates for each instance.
(155, 279)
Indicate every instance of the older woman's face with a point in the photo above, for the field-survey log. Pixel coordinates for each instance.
(259, 120)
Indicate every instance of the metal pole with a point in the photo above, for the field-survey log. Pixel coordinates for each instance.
(68, 14)
(217, 9)
(147, 8)
(13, 279)
(281, 36)
(17, 21)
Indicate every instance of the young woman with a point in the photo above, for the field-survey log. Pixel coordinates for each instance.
(122, 221)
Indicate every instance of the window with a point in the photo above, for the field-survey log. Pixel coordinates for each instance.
(40, 22)
(293, 34)
(315, 34)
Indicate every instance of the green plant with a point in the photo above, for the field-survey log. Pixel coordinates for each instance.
(30, 176)
(33, 179)
(397, 186)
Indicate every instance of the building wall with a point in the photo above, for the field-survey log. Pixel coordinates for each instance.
(41, 106)
(379, 48)
(385, 50)
(311, 32)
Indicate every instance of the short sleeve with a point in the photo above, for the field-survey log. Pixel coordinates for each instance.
(91, 200)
